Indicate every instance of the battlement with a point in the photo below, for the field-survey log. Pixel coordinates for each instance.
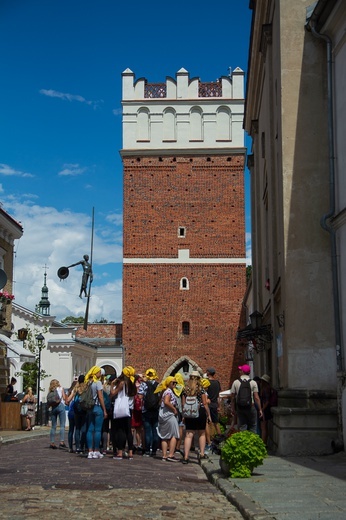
(228, 87)
(183, 113)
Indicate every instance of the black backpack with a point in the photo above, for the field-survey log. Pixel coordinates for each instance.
(151, 400)
(244, 401)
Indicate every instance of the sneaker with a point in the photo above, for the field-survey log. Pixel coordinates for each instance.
(97, 455)
(130, 458)
(172, 459)
(164, 459)
(146, 454)
(90, 455)
(117, 458)
(185, 461)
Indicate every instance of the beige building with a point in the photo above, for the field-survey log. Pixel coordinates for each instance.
(295, 102)
(10, 230)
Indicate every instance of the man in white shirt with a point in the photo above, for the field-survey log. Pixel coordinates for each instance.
(247, 416)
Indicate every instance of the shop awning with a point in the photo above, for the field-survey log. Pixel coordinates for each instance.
(16, 350)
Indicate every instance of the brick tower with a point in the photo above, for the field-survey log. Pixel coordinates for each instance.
(184, 272)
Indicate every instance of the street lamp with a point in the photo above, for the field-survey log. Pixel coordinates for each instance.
(40, 342)
(22, 335)
(256, 333)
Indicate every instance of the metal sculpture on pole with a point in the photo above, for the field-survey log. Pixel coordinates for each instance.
(87, 276)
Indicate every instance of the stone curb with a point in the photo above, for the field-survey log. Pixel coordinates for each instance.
(23, 436)
(245, 505)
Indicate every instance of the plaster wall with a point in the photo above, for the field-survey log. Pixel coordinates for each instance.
(307, 271)
(172, 121)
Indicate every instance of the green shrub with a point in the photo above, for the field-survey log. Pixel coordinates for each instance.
(243, 451)
(223, 420)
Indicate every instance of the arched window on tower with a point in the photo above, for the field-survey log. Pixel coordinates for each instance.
(185, 328)
(223, 122)
(184, 284)
(169, 133)
(196, 124)
(143, 129)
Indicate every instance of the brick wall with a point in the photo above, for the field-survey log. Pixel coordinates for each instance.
(205, 195)
(99, 330)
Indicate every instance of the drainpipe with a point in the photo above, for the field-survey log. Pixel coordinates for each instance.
(325, 219)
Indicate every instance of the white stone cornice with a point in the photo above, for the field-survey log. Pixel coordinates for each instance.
(182, 151)
(183, 261)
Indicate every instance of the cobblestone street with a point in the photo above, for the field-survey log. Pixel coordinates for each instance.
(37, 482)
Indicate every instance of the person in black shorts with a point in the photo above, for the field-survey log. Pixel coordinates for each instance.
(213, 391)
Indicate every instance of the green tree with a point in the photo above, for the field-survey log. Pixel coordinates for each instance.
(73, 319)
(30, 369)
(248, 273)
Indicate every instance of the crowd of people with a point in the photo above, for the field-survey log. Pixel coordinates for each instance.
(135, 413)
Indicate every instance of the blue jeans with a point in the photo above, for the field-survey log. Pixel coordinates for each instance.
(58, 411)
(150, 422)
(80, 432)
(247, 419)
(95, 422)
(71, 429)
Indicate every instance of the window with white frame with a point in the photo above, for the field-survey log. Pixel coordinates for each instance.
(184, 284)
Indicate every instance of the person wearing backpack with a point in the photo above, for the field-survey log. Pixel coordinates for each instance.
(196, 414)
(244, 395)
(80, 416)
(150, 411)
(56, 401)
(97, 413)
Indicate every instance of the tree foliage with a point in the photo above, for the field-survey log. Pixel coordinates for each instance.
(30, 369)
(73, 319)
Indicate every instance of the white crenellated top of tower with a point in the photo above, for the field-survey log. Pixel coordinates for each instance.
(183, 113)
(230, 87)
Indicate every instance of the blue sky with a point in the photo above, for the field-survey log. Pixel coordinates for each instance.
(60, 124)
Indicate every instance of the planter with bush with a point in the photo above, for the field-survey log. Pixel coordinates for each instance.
(241, 453)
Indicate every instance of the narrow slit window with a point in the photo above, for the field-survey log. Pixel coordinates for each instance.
(181, 232)
(186, 328)
(184, 284)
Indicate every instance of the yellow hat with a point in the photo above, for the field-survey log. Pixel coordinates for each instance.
(164, 384)
(130, 373)
(91, 375)
(179, 387)
(151, 373)
(205, 383)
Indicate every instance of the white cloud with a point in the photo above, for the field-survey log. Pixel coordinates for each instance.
(115, 218)
(5, 169)
(71, 170)
(54, 239)
(117, 111)
(69, 97)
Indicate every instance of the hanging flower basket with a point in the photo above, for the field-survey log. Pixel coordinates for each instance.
(6, 297)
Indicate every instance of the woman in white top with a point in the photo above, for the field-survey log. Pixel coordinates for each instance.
(58, 411)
